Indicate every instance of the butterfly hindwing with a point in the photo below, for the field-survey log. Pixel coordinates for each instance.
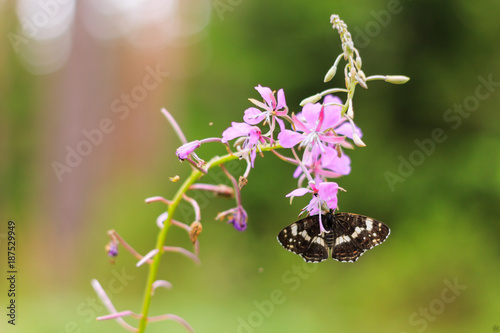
(317, 250)
(347, 236)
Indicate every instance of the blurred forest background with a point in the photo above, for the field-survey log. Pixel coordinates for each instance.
(73, 66)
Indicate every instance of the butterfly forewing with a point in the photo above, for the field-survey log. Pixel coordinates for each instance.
(303, 238)
(348, 236)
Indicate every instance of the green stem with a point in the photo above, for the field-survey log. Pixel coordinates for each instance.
(153, 268)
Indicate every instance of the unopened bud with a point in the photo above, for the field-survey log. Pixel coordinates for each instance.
(331, 73)
(397, 79)
(358, 61)
(350, 111)
(311, 99)
(362, 79)
(357, 140)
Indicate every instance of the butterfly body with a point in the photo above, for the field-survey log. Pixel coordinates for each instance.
(347, 236)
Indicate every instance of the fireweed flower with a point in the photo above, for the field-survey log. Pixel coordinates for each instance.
(271, 107)
(314, 127)
(319, 124)
(324, 196)
(236, 216)
(253, 136)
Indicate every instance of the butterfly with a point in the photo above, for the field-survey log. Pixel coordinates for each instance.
(347, 236)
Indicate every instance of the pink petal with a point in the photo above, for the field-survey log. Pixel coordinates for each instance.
(299, 125)
(267, 95)
(298, 192)
(340, 165)
(253, 154)
(332, 112)
(313, 206)
(328, 193)
(297, 172)
(328, 155)
(330, 137)
(346, 130)
(254, 135)
(281, 123)
(253, 116)
(289, 139)
(321, 120)
(236, 130)
(311, 114)
(281, 100)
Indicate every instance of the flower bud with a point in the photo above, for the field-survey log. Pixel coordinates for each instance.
(358, 61)
(331, 73)
(357, 140)
(311, 99)
(396, 79)
(362, 79)
(183, 151)
(350, 111)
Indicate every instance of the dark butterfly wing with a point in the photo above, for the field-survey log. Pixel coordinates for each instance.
(303, 238)
(355, 234)
(317, 251)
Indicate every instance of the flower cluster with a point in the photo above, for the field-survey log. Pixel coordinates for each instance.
(320, 132)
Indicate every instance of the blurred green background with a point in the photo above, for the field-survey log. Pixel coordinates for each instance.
(73, 65)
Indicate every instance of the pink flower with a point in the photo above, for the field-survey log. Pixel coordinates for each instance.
(253, 136)
(271, 107)
(324, 196)
(313, 128)
(320, 124)
(183, 151)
